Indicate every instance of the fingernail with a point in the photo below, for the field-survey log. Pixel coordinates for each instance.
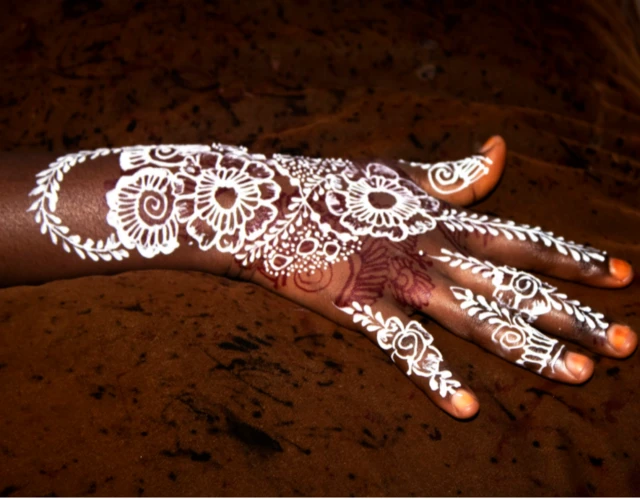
(577, 364)
(488, 145)
(464, 403)
(621, 337)
(620, 269)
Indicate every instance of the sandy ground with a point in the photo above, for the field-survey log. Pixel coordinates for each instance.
(177, 383)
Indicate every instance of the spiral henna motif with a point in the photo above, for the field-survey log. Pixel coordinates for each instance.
(449, 177)
(165, 156)
(525, 286)
(410, 344)
(510, 339)
(154, 207)
(511, 332)
(142, 211)
(313, 281)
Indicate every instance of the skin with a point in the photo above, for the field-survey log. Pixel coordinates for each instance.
(392, 276)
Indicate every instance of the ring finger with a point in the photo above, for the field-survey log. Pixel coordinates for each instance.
(504, 332)
(539, 303)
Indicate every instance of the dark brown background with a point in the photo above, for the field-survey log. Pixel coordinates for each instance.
(170, 383)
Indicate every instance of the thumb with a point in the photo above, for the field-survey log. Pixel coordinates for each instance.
(464, 181)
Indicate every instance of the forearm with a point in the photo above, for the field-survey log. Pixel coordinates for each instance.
(214, 208)
(69, 207)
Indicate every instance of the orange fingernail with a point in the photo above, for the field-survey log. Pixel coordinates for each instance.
(620, 269)
(488, 145)
(465, 404)
(577, 364)
(621, 337)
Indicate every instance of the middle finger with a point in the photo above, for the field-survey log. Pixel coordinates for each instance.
(539, 303)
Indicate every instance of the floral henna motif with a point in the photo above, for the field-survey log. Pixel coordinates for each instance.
(381, 204)
(142, 210)
(511, 332)
(297, 216)
(368, 275)
(410, 282)
(411, 343)
(524, 292)
(228, 205)
(226, 198)
(298, 241)
(449, 177)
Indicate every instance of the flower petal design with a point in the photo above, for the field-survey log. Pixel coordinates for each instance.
(232, 204)
(381, 204)
(142, 210)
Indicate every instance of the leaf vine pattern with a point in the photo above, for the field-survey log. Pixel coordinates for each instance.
(46, 192)
(524, 292)
(459, 220)
(511, 332)
(411, 343)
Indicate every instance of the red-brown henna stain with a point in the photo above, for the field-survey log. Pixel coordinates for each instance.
(385, 265)
(458, 238)
(410, 284)
(455, 238)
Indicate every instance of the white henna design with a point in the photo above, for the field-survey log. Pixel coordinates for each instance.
(227, 198)
(458, 220)
(111, 248)
(230, 205)
(512, 287)
(381, 204)
(141, 209)
(300, 242)
(168, 156)
(411, 343)
(449, 177)
(307, 172)
(48, 185)
(297, 216)
(511, 332)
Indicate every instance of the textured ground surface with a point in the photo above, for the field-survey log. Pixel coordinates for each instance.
(169, 383)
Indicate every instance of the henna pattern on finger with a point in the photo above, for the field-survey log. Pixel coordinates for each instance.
(511, 331)
(459, 220)
(524, 292)
(411, 343)
(449, 177)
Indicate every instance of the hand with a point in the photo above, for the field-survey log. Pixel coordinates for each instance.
(366, 245)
